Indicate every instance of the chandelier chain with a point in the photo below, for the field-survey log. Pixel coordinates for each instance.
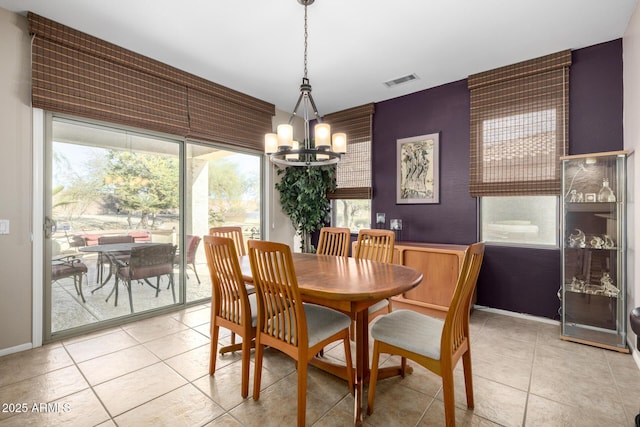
(306, 35)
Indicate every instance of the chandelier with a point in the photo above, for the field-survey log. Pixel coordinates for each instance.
(326, 149)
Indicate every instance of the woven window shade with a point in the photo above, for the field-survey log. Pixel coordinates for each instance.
(353, 172)
(519, 127)
(82, 75)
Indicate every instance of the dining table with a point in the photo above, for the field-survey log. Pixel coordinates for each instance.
(123, 248)
(351, 286)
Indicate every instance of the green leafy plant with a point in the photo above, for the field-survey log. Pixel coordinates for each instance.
(303, 196)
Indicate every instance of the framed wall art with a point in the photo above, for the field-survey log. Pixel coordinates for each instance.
(417, 170)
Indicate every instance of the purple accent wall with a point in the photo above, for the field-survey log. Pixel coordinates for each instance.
(515, 279)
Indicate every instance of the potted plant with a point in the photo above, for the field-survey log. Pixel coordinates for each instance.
(303, 196)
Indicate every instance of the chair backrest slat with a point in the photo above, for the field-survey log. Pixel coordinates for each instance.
(334, 241)
(229, 294)
(375, 245)
(279, 303)
(456, 326)
(108, 240)
(234, 233)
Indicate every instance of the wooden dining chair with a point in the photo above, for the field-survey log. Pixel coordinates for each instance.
(375, 245)
(231, 306)
(334, 241)
(285, 323)
(234, 233)
(433, 343)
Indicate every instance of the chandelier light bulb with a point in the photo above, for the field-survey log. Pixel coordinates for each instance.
(285, 136)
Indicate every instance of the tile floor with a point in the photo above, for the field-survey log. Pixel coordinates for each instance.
(154, 372)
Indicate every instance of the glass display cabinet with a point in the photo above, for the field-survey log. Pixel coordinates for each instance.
(594, 249)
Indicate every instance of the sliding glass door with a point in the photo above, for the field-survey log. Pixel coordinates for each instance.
(223, 188)
(113, 191)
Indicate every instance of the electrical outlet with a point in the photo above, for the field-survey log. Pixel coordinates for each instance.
(4, 226)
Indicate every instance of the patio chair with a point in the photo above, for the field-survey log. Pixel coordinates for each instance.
(192, 243)
(69, 266)
(144, 263)
(110, 240)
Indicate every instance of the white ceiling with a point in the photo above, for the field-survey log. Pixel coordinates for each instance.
(256, 46)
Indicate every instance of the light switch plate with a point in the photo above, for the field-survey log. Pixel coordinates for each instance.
(4, 226)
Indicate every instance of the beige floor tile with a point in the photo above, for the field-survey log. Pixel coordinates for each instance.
(43, 388)
(79, 409)
(493, 401)
(225, 420)
(154, 328)
(225, 386)
(186, 406)
(130, 390)
(26, 364)
(100, 345)
(464, 417)
(544, 412)
(195, 318)
(518, 329)
(277, 405)
(195, 363)
(578, 389)
(113, 365)
(176, 343)
(493, 345)
(397, 405)
(505, 370)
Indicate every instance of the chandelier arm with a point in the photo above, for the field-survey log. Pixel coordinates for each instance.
(313, 106)
(295, 109)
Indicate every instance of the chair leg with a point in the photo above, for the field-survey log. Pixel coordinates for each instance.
(349, 362)
(173, 289)
(215, 329)
(257, 374)
(373, 377)
(77, 283)
(157, 286)
(130, 295)
(468, 378)
(246, 353)
(449, 398)
(302, 392)
(196, 272)
(114, 289)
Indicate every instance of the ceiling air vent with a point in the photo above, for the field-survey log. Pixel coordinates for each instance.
(400, 80)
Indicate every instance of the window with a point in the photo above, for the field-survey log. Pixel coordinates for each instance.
(351, 202)
(520, 220)
(351, 213)
(519, 124)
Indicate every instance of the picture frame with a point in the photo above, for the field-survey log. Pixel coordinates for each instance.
(418, 162)
(590, 197)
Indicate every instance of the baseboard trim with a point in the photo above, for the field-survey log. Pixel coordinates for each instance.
(16, 349)
(514, 314)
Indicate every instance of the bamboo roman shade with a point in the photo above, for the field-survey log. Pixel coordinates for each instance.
(353, 172)
(519, 127)
(82, 75)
